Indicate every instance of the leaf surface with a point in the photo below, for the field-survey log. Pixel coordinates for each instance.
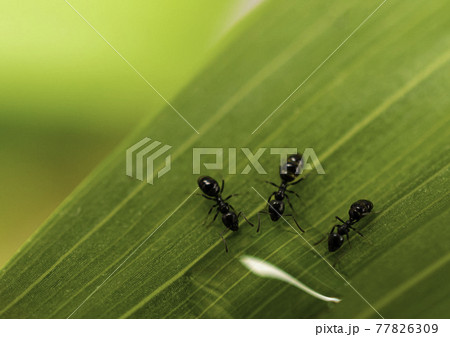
(377, 115)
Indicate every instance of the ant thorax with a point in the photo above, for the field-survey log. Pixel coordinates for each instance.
(224, 207)
(280, 194)
(343, 229)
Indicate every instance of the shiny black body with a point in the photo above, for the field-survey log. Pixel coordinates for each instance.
(209, 186)
(357, 211)
(212, 191)
(288, 173)
(292, 168)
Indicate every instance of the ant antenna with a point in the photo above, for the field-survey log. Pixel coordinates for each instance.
(338, 218)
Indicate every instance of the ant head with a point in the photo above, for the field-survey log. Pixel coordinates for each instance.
(342, 229)
(335, 242)
(288, 172)
(296, 159)
(292, 168)
(209, 186)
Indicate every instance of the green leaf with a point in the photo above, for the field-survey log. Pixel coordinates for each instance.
(376, 114)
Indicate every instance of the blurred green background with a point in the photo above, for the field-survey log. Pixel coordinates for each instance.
(67, 99)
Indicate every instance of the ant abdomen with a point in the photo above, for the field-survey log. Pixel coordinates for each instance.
(209, 186)
(359, 209)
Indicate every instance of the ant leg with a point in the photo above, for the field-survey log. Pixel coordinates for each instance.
(270, 197)
(357, 231)
(289, 202)
(205, 196)
(230, 196)
(348, 240)
(332, 229)
(369, 214)
(223, 185)
(259, 220)
(293, 192)
(295, 183)
(338, 218)
(295, 222)
(271, 183)
(259, 224)
(212, 207)
(223, 239)
(215, 216)
(240, 213)
(320, 241)
(210, 210)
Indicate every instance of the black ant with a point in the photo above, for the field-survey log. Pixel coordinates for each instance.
(288, 173)
(212, 191)
(357, 211)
